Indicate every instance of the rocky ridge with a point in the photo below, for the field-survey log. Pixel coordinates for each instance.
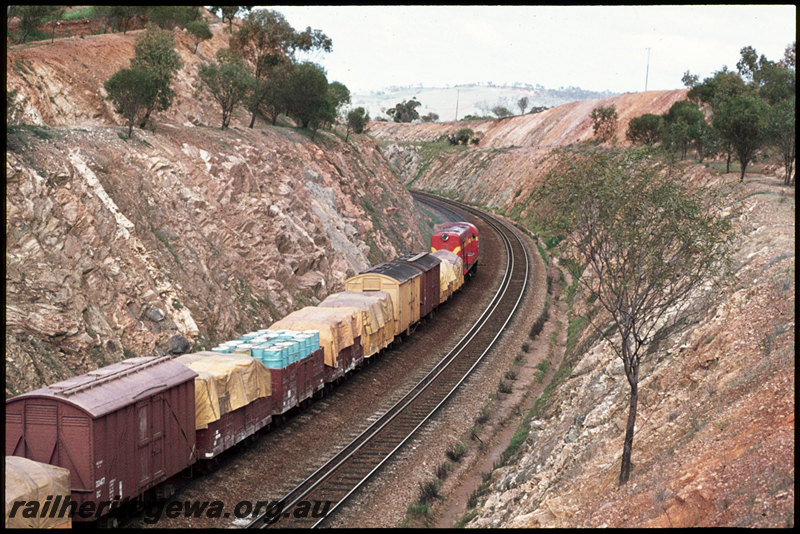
(714, 442)
(715, 431)
(513, 153)
(182, 236)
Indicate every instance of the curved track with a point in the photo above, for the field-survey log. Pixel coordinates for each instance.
(342, 475)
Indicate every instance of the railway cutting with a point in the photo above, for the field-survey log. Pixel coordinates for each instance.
(341, 476)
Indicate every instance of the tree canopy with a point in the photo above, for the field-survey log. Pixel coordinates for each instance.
(648, 243)
(645, 129)
(228, 80)
(199, 31)
(268, 42)
(154, 51)
(681, 124)
(229, 13)
(309, 104)
(132, 91)
(604, 122)
(405, 111)
(742, 122)
(357, 120)
(750, 110)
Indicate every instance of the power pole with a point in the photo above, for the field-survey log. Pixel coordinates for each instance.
(647, 72)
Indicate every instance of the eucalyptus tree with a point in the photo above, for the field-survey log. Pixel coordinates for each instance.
(742, 123)
(229, 13)
(405, 111)
(154, 51)
(268, 42)
(228, 80)
(647, 243)
(681, 124)
(357, 120)
(646, 129)
(200, 31)
(132, 91)
(604, 122)
(781, 133)
(522, 103)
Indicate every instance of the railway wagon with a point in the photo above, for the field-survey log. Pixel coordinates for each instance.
(124, 429)
(233, 399)
(377, 316)
(293, 359)
(119, 430)
(27, 482)
(401, 281)
(339, 336)
(461, 238)
(451, 273)
(430, 283)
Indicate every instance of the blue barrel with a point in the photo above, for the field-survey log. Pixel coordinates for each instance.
(300, 344)
(312, 340)
(272, 357)
(289, 351)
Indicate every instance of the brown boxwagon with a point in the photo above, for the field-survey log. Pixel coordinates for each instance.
(429, 291)
(120, 430)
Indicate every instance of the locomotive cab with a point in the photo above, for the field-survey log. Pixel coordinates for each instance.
(460, 238)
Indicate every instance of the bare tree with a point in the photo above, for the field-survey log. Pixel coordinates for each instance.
(647, 243)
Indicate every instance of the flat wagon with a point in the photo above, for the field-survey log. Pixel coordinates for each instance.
(451, 272)
(232, 399)
(378, 316)
(339, 336)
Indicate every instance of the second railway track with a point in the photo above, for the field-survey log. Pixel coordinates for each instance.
(350, 468)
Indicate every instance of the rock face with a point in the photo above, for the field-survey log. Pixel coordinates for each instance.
(513, 154)
(176, 238)
(115, 247)
(714, 442)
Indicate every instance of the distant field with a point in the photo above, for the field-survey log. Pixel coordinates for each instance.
(470, 99)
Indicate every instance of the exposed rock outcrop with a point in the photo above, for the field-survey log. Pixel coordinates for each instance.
(182, 236)
(714, 443)
(114, 247)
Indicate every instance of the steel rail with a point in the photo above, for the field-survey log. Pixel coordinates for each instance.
(404, 406)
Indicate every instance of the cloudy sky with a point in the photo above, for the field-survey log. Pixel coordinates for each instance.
(593, 47)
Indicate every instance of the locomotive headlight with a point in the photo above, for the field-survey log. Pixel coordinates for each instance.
(444, 237)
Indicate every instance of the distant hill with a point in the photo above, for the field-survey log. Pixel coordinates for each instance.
(471, 99)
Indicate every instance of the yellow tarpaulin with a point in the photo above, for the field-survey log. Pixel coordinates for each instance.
(377, 312)
(451, 273)
(337, 327)
(224, 383)
(29, 481)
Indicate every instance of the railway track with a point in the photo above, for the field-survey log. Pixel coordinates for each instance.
(335, 481)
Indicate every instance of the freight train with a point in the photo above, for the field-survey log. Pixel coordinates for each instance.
(124, 429)
(461, 238)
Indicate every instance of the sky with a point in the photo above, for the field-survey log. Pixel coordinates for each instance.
(600, 48)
